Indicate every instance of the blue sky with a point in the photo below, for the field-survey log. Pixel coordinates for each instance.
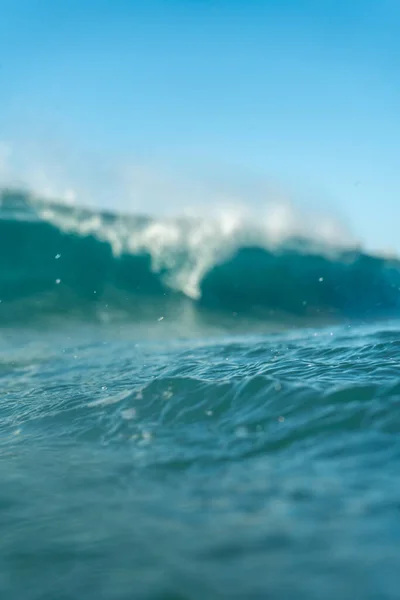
(301, 94)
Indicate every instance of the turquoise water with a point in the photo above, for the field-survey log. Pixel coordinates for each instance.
(157, 444)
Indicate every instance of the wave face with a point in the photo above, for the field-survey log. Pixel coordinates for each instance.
(59, 260)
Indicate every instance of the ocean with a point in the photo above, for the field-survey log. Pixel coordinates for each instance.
(192, 412)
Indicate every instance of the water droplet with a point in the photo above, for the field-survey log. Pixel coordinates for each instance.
(58, 281)
(320, 279)
(57, 256)
(241, 432)
(160, 319)
(128, 414)
(209, 413)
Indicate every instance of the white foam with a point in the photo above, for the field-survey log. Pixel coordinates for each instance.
(184, 250)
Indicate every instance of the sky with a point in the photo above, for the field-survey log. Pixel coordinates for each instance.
(147, 104)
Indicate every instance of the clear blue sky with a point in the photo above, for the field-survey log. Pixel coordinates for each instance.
(301, 92)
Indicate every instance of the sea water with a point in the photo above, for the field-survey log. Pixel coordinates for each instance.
(239, 441)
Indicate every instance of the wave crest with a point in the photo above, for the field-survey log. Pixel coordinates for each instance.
(75, 257)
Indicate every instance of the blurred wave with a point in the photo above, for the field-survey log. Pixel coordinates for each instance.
(62, 260)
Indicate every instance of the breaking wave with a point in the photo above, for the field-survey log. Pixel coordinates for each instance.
(58, 259)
